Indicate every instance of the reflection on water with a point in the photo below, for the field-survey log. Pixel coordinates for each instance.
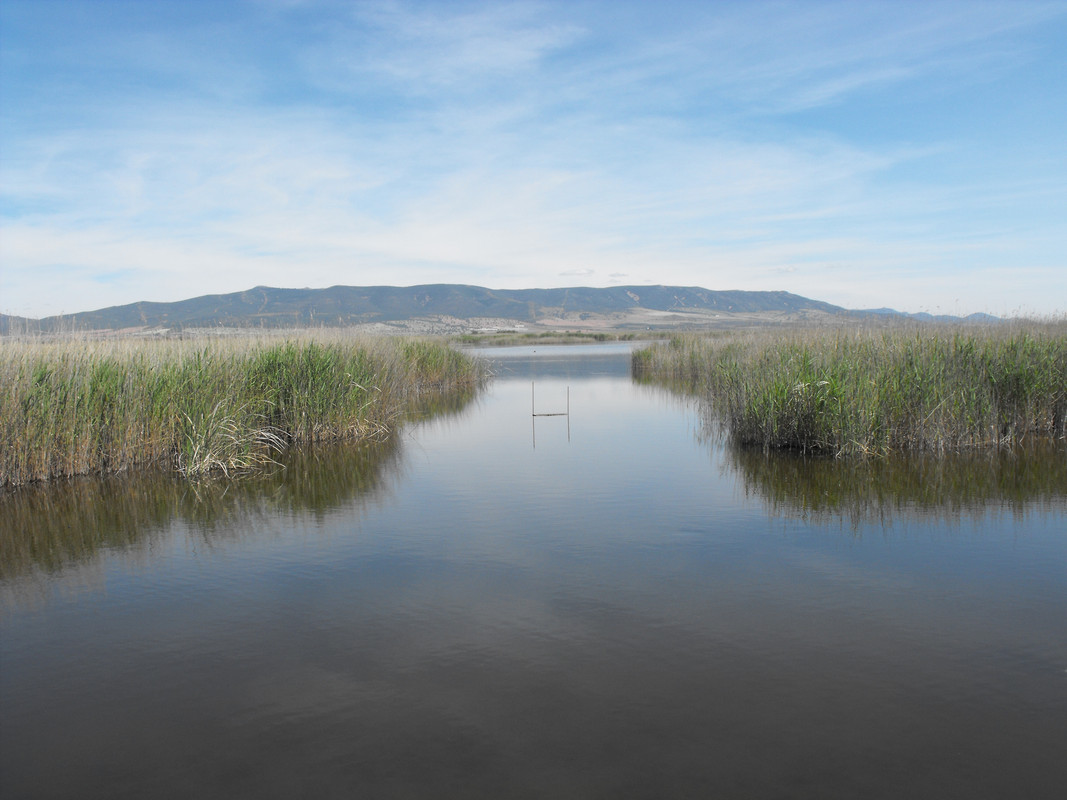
(48, 526)
(442, 404)
(624, 612)
(951, 486)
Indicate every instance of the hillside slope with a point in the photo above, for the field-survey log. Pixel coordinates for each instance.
(265, 306)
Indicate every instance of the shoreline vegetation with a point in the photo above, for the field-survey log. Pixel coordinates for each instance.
(71, 407)
(871, 393)
(515, 338)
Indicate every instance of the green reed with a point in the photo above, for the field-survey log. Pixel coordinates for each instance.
(74, 407)
(874, 392)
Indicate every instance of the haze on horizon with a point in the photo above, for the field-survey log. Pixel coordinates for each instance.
(863, 154)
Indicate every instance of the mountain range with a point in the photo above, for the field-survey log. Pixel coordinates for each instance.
(618, 306)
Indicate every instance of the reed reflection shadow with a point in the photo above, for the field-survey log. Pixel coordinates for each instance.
(51, 525)
(946, 486)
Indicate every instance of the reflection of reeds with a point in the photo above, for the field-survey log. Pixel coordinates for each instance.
(872, 393)
(47, 526)
(73, 407)
(945, 485)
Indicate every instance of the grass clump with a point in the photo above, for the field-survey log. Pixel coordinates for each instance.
(875, 392)
(75, 407)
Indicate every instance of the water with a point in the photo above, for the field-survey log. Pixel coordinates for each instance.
(610, 604)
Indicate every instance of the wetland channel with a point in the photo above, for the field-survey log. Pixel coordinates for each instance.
(491, 604)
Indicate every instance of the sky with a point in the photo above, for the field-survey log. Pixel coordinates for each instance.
(910, 155)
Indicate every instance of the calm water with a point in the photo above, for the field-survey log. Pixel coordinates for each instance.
(609, 604)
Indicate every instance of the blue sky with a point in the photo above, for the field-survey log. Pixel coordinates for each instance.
(903, 154)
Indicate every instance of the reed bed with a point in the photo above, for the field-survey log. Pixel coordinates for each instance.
(865, 392)
(76, 407)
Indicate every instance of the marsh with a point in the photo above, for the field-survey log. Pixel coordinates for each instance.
(489, 604)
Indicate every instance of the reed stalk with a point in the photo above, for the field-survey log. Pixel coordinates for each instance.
(89, 406)
(866, 392)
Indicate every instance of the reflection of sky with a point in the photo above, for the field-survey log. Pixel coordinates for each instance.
(501, 603)
(624, 464)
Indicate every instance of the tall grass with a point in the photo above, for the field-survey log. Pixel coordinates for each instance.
(875, 392)
(74, 407)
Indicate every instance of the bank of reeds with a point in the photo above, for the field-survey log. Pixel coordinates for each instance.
(874, 392)
(511, 337)
(75, 407)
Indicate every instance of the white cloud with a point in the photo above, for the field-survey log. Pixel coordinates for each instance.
(514, 145)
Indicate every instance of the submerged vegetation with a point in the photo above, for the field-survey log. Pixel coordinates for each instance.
(75, 407)
(874, 392)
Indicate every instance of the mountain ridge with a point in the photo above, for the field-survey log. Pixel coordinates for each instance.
(344, 305)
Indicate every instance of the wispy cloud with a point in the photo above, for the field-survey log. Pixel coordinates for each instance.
(851, 152)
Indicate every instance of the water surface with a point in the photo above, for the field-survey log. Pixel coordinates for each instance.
(609, 604)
